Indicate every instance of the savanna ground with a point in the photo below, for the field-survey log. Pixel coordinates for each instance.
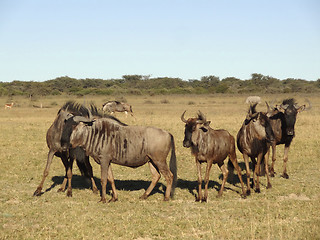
(290, 210)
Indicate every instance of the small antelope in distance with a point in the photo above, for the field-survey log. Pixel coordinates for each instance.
(116, 106)
(8, 105)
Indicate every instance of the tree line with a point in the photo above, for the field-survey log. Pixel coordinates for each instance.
(140, 85)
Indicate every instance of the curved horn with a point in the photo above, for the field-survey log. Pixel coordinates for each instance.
(202, 116)
(309, 103)
(284, 107)
(271, 104)
(182, 117)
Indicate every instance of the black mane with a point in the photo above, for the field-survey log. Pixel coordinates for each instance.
(75, 109)
(289, 101)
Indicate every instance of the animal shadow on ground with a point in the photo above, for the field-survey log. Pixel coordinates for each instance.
(233, 176)
(192, 186)
(80, 182)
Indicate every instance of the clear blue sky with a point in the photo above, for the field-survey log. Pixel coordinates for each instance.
(45, 39)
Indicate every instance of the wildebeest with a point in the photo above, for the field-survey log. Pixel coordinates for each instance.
(282, 119)
(116, 106)
(108, 141)
(210, 146)
(253, 100)
(253, 140)
(67, 155)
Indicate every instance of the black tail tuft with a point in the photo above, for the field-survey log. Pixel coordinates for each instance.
(173, 166)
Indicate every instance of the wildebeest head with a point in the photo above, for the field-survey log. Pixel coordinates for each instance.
(261, 123)
(192, 128)
(72, 121)
(290, 109)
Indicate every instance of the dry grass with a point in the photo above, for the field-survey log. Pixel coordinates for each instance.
(290, 210)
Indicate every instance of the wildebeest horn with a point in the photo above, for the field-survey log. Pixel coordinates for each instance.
(284, 107)
(305, 106)
(271, 104)
(182, 117)
(269, 107)
(202, 117)
(253, 115)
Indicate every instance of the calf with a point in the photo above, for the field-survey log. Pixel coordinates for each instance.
(210, 146)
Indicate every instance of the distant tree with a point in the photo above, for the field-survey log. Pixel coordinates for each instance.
(210, 81)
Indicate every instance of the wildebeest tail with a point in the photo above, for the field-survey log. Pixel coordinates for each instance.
(82, 161)
(230, 165)
(173, 166)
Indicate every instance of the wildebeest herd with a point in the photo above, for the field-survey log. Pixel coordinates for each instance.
(80, 132)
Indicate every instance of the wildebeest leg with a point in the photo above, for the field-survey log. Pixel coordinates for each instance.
(155, 178)
(267, 172)
(256, 173)
(246, 161)
(234, 161)
(113, 186)
(225, 173)
(90, 174)
(273, 159)
(68, 177)
(165, 171)
(45, 173)
(206, 181)
(104, 176)
(199, 197)
(285, 160)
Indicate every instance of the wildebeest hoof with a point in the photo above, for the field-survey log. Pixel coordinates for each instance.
(219, 195)
(113, 200)
(248, 192)
(61, 190)
(69, 193)
(269, 186)
(243, 195)
(271, 174)
(166, 199)
(204, 200)
(257, 190)
(285, 175)
(103, 200)
(95, 190)
(143, 197)
(37, 192)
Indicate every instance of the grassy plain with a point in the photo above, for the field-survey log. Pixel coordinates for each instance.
(290, 210)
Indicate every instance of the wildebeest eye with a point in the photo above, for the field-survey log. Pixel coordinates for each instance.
(204, 129)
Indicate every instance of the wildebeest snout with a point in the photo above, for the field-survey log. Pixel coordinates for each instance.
(186, 143)
(290, 132)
